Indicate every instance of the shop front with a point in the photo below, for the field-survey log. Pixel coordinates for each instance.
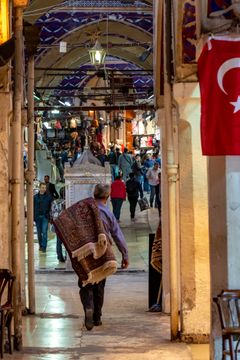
(145, 133)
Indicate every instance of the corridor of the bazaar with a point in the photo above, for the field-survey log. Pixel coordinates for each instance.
(119, 179)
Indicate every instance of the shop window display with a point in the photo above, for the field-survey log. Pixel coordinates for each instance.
(145, 133)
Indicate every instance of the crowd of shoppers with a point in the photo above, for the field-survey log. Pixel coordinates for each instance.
(132, 175)
(138, 174)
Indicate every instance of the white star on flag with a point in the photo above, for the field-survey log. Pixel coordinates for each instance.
(236, 105)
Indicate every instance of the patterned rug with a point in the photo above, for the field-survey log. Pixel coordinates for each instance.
(80, 229)
(156, 258)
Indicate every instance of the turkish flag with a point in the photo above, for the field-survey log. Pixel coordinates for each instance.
(219, 78)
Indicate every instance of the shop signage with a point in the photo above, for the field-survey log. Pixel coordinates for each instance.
(4, 21)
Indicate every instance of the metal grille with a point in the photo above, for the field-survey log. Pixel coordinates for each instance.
(104, 3)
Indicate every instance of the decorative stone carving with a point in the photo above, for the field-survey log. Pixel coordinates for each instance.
(81, 179)
(185, 40)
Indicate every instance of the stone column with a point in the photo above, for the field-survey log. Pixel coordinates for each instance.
(17, 177)
(194, 228)
(30, 180)
(5, 117)
(165, 214)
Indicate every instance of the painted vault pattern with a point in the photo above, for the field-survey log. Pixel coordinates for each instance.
(54, 26)
(214, 6)
(189, 32)
(62, 20)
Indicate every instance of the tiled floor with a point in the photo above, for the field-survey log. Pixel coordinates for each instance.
(129, 331)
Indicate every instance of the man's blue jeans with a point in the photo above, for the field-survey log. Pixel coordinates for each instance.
(140, 180)
(146, 186)
(117, 205)
(59, 250)
(114, 171)
(152, 194)
(42, 231)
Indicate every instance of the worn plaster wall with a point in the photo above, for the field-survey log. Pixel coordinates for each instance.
(233, 220)
(224, 215)
(5, 103)
(194, 229)
(218, 243)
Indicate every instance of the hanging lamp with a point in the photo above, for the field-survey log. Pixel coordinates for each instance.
(97, 54)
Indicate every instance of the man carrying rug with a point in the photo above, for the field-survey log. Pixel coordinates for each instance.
(87, 229)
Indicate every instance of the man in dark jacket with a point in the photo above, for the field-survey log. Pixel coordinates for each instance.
(51, 190)
(137, 169)
(113, 161)
(42, 207)
(133, 188)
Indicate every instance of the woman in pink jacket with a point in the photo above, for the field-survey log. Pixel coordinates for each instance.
(118, 195)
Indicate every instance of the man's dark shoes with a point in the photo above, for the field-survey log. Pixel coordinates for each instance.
(89, 319)
(97, 322)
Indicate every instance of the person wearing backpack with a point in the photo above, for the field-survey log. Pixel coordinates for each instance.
(133, 188)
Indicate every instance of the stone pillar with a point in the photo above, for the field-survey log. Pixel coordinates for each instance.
(165, 214)
(5, 114)
(224, 212)
(194, 228)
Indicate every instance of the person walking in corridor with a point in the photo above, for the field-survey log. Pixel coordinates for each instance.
(125, 163)
(50, 188)
(118, 195)
(133, 188)
(113, 161)
(153, 179)
(137, 169)
(42, 208)
(92, 295)
(148, 164)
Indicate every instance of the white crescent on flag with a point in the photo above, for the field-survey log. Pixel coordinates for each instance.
(224, 68)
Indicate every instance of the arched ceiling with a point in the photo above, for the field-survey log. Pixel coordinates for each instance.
(124, 28)
(38, 8)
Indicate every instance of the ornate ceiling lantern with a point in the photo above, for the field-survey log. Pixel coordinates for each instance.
(97, 54)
